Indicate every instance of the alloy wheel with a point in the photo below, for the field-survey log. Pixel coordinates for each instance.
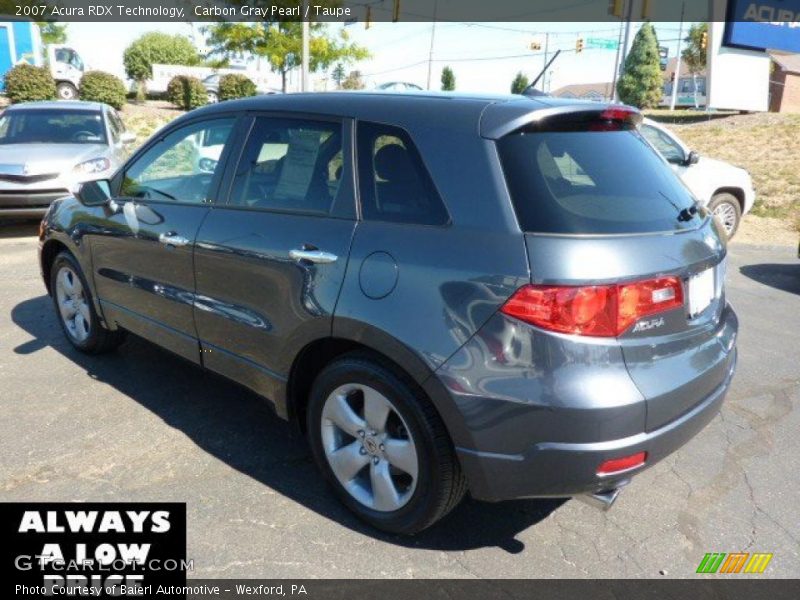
(727, 216)
(73, 305)
(369, 447)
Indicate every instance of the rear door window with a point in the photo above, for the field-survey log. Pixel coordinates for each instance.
(394, 184)
(592, 182)
(290, 165)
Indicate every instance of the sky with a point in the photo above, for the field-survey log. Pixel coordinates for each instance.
(484, 56)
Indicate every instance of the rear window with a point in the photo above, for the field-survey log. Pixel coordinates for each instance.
(595, 182)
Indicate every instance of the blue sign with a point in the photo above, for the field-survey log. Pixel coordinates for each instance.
(763, 25)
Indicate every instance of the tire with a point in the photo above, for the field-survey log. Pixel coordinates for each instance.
(420, 499)
(72, 296)
(66, 91)
(727, 209)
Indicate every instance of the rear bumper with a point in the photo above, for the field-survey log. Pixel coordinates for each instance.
(569, 469)
(29, 203)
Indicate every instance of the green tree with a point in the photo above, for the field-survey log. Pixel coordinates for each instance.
(52, 32)
(519, 84)
(158, 48)
(641, 82)
(353, 81)
(448, 80)
(694, 54)
(338, 75)
(281, 43)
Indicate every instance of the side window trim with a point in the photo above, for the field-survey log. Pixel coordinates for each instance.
(344, 206)
(359, 177)
(214, 187)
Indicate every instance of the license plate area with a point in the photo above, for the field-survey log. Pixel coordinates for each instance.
(702, 291)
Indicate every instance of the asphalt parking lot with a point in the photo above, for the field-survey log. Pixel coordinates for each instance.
(142, 425)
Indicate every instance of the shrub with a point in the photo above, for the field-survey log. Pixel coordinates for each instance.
(98, 86)
(186, 92)
(235, 85)
(160, 48)
(26, 83)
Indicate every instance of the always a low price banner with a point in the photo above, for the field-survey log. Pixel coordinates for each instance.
(93, 549)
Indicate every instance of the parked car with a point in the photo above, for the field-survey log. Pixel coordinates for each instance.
(398, 86)
(726, 190)
(445, 293)
(48, 147)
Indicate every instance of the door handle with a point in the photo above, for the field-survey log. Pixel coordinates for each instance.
(172, 239)
(314, 256)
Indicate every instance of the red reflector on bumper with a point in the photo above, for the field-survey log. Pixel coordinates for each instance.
(617, 465)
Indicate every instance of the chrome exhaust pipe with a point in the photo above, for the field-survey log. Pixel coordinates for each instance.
(602, 500)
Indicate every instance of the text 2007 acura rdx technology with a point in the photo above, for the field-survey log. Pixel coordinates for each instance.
(511, 296)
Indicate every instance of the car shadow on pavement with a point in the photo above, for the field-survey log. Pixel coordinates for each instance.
(785, 277)
(18, 229)
(238, 427)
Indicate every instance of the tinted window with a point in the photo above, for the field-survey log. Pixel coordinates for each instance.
(667, 146)
(181, 167)
(290, 165)
(45, 126)
(592, 182)
(394, 184)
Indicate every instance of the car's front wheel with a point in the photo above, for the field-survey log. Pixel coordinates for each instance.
(382, 446)
(75, 309)
(726, 208)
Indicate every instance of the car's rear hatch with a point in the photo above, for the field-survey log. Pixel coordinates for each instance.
(602, 211)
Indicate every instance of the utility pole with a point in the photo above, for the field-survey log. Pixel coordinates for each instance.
(624, 51)
(676, 79)
(546, 52)
(430, 52)
(304, 82)
(613, 94)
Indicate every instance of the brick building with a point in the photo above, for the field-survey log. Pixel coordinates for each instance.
(784, 84)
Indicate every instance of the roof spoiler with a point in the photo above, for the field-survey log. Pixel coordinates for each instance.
(496, 124)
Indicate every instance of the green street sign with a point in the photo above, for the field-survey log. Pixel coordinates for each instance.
(602, 43)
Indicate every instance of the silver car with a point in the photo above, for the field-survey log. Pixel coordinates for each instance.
(46, 148)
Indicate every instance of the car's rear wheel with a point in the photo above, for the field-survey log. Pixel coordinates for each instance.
(726, 208)
(382, 446)
(75, 308)
(66, 91)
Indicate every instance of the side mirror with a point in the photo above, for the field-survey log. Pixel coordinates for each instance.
(93, 193)
(127, 138)
(692, 158)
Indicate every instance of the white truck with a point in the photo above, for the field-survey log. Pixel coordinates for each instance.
(20, 41)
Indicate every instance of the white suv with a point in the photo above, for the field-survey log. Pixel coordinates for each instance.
(726, 190)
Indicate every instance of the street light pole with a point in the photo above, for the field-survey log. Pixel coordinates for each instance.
(676, 79)
(304, 83)
(430, 52)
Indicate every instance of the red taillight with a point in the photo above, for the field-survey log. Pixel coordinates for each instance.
(598, 310)
(617, 465)
(618, 113)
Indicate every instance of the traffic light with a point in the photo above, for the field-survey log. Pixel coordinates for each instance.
(368, 18)
(579, 45)
(704, 40)
(616, 8)
(536, 45)
(396, 11)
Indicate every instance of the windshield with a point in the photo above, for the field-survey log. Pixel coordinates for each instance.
(593, 182)
(45, 126)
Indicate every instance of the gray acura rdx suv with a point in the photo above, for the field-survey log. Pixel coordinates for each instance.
(506, 295)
